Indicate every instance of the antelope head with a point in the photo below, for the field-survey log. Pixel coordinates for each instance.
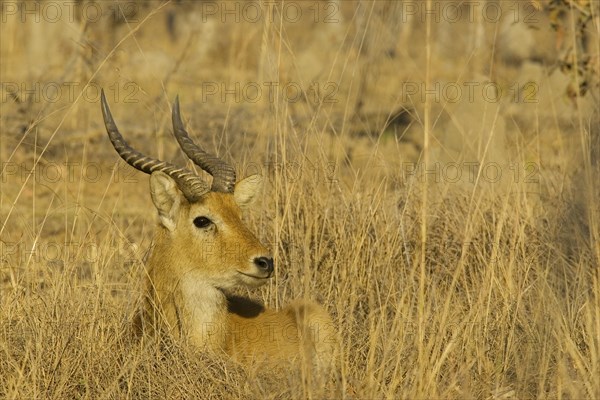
(201, 232)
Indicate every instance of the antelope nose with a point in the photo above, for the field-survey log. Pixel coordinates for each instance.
(265, 264)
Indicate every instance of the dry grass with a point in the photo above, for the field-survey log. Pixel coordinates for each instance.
(441, 287)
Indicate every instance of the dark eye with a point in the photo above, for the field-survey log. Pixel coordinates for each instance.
(202, 222)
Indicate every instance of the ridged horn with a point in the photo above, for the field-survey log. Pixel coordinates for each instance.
(223, 174)
(188, 182)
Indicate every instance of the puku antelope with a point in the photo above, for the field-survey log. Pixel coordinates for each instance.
(202, 250)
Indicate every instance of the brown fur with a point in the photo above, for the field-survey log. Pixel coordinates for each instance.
(191, 270)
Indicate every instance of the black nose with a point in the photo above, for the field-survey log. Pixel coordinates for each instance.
(264, 263)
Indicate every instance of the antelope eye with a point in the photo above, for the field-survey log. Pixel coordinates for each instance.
(202, 222)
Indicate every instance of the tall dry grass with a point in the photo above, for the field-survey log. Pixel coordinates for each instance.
(441, 288)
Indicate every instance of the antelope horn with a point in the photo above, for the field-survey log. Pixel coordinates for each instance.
(189, 183)
(223, 174)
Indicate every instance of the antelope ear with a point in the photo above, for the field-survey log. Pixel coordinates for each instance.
(246, 190)
(166, 198)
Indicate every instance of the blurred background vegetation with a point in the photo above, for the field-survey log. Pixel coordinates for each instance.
(433, 179)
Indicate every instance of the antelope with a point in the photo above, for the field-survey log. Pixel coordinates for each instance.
(202, 251)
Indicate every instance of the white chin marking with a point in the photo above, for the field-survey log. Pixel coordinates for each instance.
(253, 282)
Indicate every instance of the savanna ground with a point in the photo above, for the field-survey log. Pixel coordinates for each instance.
(432, 180)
